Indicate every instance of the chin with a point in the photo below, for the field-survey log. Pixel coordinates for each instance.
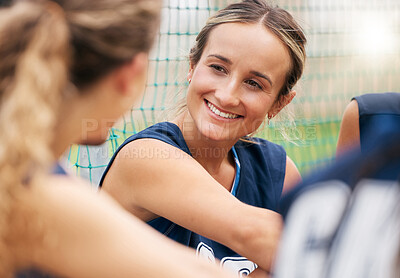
(93, 139)
(93, 142)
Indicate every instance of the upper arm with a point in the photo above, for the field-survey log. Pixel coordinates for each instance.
(169, 183)
(89, 235)
(349, 133)
(154, 176)
(292, 175)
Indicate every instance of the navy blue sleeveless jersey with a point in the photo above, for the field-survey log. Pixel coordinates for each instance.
(374, 111)
(34, 273)
(260, 183)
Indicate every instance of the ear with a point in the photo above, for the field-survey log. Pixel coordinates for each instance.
(131, 72)
(190, 73)
(281, 103)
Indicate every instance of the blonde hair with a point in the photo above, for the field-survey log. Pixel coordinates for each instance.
(45, 46)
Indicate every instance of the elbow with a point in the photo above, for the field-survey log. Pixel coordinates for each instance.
(258, 238)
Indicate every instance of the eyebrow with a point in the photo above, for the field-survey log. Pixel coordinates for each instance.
(222, 58)
(259, 74)
(256, 73)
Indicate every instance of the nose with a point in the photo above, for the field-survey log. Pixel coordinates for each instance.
(228, 94)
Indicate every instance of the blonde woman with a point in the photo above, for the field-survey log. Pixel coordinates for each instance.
(201, 179)
(63, 63)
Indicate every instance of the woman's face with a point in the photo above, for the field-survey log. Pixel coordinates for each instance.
(237, 80)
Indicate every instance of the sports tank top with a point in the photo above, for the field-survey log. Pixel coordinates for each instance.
(377, 111)
(259, 183)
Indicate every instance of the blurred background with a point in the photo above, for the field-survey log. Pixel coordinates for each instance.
(353, 48)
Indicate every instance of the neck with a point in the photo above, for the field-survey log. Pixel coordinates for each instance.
(63, 138)
(68, 129)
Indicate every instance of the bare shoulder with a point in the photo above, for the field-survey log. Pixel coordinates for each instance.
(63, 194)
(144, 171)
(349, 133)
(350, 115)
(56, 207)
(149, 149)
(292, 175)
(143, 159)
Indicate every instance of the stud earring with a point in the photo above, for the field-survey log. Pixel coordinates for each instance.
(270, 117)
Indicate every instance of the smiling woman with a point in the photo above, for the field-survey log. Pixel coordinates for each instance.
(196, 173)
(228, 80)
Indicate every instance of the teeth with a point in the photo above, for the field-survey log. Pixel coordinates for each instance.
(221, 114)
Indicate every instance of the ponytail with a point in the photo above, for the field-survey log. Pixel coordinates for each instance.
(34, 47)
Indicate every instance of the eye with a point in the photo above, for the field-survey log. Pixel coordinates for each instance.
(254, 84)
(218, 68)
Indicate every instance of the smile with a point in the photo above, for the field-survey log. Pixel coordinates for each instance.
(221, 114)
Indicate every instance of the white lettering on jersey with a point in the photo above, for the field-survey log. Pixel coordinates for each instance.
(205, 251)
(239, 265)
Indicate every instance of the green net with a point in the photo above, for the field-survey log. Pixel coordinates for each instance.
(353, 48)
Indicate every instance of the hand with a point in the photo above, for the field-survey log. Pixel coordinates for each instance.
(259, 273)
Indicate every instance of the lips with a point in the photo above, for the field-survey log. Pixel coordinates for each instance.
(217, 112)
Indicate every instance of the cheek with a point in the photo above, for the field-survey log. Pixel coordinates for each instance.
(204, 79)
(95, 132)
(193, 101)
(199, 85)
(259, 105)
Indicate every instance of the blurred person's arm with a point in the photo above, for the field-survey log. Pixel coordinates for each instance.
(349, 134)
(292, 175)
(86, 234)
(260, 273)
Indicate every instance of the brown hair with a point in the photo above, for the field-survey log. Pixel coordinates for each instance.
(279, 21)
(45, 46)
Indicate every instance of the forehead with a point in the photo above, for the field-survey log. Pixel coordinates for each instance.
(250, 45)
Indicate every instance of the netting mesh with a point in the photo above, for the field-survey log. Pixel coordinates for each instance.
(353, 48)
